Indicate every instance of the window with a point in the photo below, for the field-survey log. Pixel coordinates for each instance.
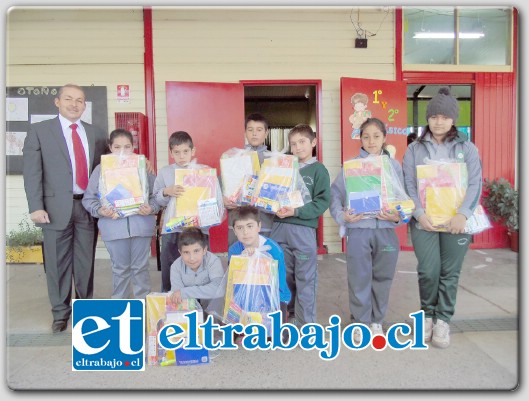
(419, 95)
(483, 36)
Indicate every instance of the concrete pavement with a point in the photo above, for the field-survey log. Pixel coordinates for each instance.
(484, 354)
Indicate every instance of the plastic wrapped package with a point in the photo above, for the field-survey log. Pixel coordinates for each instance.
(247, 189)
(123, 184)
(252, 290)
(372, 185)
(478, 222)
(280, 184)
(200, 205)
(442, 188)
(161, 311)
(238, 168)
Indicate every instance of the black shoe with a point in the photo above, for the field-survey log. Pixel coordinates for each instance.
(59, 325)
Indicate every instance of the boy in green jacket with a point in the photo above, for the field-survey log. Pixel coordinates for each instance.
(295, 229)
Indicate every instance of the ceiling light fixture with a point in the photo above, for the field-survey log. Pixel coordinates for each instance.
(447, 35)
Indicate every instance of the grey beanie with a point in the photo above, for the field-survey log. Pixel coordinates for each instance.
(443, 103)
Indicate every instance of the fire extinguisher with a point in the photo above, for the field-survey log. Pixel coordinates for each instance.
(132, 127)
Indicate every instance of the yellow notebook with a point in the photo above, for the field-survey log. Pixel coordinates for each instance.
(187, 204)
(441, 204)
(199, 184)
(128, 177)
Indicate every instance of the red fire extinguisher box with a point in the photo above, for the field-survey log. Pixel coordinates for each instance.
(136, 124)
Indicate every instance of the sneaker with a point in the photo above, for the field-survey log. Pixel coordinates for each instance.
(357, 336)
(376, 328)
(441, 334)
(428, 328)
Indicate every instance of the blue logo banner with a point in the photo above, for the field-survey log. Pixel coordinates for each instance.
(108, 334)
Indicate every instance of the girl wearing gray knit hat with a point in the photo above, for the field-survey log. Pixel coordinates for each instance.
(440, 255)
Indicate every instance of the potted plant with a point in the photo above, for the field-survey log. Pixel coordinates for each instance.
(501, 201)
(24, 244)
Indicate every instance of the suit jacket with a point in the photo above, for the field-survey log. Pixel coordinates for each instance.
(48, 174)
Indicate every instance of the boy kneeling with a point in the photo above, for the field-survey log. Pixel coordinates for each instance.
(197, 273)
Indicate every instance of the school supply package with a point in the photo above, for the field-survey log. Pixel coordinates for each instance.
(280, 184)
(372, 185)
(162, 311)
(123, 184)
(478, 222)
(200, 205)
(442, 188)
(239, 169)
(252, 289)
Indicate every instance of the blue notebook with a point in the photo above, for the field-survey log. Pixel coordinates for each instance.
(252, 297)
(118, 193)
(365, 201)
(272, 191)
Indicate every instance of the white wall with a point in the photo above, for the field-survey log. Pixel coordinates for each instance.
(104, 46)
(230, 45)
(53, 46)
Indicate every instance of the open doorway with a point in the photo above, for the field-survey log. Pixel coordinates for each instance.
(285, 104)
(284, 107)
(418, 96)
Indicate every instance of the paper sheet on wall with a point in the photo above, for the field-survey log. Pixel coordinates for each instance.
(17, 109)
(15, 143)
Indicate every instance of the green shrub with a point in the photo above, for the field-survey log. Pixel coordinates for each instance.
(27, 234)
(501, 201)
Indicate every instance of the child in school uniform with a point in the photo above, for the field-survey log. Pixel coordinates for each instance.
(247, 227)
(372, 244)
(197, 273)
(294, 229)
(256, 132)
(440, 255)
(128, 239)
(182, 151)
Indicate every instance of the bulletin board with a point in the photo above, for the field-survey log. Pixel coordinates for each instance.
(26, 105)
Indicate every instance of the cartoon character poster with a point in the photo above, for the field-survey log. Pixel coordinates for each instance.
(366, 98)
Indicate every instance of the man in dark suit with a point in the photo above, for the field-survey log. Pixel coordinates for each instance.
(59, 155)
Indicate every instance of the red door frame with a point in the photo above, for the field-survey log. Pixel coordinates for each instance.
(319, 147)
(476, 80)
(483, 123)
(436, 78)
(148, 67)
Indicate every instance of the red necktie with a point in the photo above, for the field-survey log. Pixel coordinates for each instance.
(81, 171)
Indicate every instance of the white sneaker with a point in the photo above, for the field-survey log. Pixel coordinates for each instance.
(357, 336)
(428, 329)
(376, 328)
(441, 334)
